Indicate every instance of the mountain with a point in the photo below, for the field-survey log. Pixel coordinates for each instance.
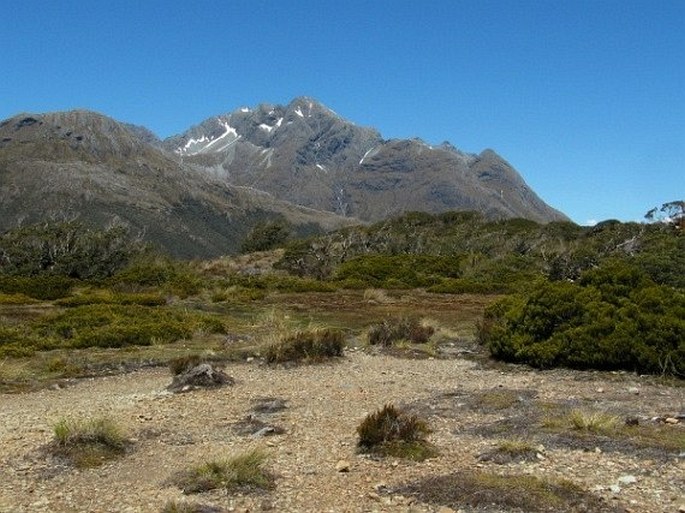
(198, 194)
(83, 165)
(306, 154)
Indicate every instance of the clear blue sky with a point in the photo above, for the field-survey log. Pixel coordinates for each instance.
(586, 98)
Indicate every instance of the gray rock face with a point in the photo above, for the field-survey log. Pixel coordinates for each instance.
(306, 154)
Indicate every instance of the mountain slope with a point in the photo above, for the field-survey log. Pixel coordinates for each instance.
(306, 154)
(80, 164)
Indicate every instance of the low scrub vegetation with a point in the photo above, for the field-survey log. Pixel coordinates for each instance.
(104, 325)
(310, 345)
(390, 431)
(616, 317)
(89, 443)
(245, 472)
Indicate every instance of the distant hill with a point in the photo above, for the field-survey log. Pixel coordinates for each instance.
(307, 154)
(82, 165)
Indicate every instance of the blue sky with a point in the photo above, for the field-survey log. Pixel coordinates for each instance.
(586, 99)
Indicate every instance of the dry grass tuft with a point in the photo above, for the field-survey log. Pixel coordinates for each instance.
(245, 472)
(89, 443)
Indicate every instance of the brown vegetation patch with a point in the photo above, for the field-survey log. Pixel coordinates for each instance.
(522, 493)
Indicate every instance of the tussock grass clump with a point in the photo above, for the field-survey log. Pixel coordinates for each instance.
(497, 399)
(523, 492)
(89, 443)
(244, 472)
(594, 422)
(311, 345)
(187, 507)
(581, 421)
(596, 425)
(391, 331)
(391, 431)
(507, 451)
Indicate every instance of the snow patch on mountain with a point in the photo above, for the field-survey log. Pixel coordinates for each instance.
(206, 144)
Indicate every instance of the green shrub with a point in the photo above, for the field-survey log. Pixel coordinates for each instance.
(311, 345)
(15, 342)
(43, 286)
(89, 443)
(157, 272)
(244, 472)
(616, 319)
(399, 271)
(393, 432)
(114, 298)
(466, 286)
(103, 325)
(394, 330)
(15, 299)
(266, 235)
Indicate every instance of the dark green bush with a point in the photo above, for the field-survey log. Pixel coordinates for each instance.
(614, 319)
(266, 235)
(394, 330)
(311, 345)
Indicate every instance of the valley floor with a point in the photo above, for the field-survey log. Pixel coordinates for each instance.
(324, 405)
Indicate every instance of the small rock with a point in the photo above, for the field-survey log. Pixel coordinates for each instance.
(445, 509)
(600, 390)
(634, 391)
(265, 431)
(342, 466)
(681, 509)
(614, 488)
(628, 479)
(671, 420)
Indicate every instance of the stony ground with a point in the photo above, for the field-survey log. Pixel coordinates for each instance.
(324, 404)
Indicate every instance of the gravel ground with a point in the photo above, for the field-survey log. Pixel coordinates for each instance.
(324, 403)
